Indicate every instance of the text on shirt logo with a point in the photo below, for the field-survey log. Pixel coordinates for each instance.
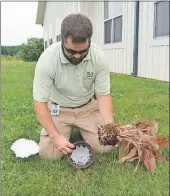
(89, 74)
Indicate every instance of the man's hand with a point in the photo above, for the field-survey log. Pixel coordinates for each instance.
(63, 144)
(46, 121)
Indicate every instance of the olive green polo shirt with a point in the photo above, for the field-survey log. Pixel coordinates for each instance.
(68, 85)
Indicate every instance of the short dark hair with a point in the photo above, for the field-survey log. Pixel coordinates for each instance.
(78, 26)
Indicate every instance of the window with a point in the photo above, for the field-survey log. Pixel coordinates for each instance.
(58, 38)
(113, 12)
(45, 44)
(50, 41)
(108, 27)
(117, 29)
(161, 18)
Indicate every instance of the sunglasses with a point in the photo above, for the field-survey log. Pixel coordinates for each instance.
(73, 52)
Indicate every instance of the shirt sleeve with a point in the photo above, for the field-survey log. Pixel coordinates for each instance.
(43, 78)
(102, 80)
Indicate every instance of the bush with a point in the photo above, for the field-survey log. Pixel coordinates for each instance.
(32, 50)
(10, 50)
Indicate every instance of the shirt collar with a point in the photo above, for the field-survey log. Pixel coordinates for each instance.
(65, 61)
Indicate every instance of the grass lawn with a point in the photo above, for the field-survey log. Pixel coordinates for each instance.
(38, 177)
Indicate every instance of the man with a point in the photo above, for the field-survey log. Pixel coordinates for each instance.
(67, 76)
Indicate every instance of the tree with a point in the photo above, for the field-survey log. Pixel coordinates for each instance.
(10, 50)
(32, 50)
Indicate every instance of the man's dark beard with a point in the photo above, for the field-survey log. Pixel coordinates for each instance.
(74, 60)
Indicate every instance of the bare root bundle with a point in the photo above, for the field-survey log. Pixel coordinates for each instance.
(108, 135)
(137, 142)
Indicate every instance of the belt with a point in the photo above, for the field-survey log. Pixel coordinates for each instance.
(73, 107)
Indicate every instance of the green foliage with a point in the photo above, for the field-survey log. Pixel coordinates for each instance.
(29, 51)
(10, 50)
(32, 50)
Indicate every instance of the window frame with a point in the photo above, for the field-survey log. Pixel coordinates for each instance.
(50, 41)
(112, 27)
(58, 38)
(46, 44)
(111, 30)
(154, 23)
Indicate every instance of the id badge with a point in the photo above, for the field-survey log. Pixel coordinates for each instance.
(55, 110)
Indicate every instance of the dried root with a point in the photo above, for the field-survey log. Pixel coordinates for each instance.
(108, 135)
(136, 142)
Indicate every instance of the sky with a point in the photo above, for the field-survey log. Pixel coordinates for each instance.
(18, 22)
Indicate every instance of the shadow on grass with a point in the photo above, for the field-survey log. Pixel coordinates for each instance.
(76, 135)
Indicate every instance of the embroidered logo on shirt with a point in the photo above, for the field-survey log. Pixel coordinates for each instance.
(89, 74)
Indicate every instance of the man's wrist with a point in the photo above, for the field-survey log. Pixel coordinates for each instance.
(112, 121)
(54, 134)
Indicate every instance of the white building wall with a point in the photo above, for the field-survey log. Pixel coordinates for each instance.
(54, 14)
(153, 53)
(90, 9)
(119, 54)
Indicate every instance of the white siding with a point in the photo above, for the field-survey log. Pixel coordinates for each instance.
(119, 54)
(153, 53)
(89, 9)
(54, 14)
